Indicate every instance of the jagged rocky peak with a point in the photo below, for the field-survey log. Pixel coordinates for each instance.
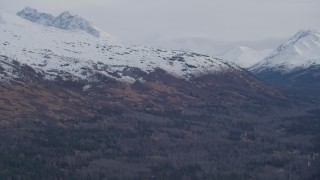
(34, 16)
(65, 20)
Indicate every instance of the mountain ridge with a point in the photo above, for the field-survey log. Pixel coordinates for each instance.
(300, 51)
(75, 55)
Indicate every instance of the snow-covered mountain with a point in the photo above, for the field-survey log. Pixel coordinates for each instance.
(68, 46)
(294, 66)
(299, 52)
(245, 56)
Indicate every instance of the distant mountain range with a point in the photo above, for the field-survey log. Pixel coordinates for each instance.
(294, 66)
(244, 56)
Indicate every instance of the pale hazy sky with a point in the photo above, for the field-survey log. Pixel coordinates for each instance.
(210, 25)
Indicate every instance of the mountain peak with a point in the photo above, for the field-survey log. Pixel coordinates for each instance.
(245, 56)
(28, 10)
(65, 20)
(243, 48)
(65, 14)
(303, 34)
(300, 36)
(300, 51)
(306, 32)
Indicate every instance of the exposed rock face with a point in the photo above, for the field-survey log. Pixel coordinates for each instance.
(63, 21)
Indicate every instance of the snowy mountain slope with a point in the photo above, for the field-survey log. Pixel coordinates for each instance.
(300, 51)
(76, 54)
(245, 56)
(294, 67)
